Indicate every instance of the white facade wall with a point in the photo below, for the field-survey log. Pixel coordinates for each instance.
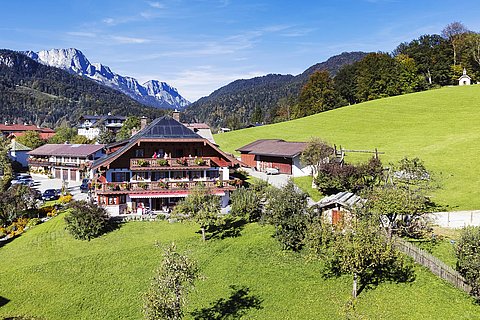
(90, 133)
(298, 170)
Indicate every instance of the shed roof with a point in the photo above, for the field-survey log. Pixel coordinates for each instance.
(344, 199)
(274, 147)
(72, 150)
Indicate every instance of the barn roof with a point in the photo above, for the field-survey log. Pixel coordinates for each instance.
(274, 147)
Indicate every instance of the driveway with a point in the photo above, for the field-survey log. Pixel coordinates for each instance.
(276, 180)
(43, 183)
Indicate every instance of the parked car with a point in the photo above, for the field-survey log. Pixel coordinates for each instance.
(50, 194)
(272, 171)
(25, 180)
(85, 186)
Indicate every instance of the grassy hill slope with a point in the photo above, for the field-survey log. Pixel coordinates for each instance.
(441, 126)
(47, 273)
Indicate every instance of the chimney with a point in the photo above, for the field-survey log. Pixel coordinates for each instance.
(143, 122)
(176, 115)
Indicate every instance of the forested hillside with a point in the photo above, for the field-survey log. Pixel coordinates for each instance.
(259, 99)
(430, 61)
(47, 96)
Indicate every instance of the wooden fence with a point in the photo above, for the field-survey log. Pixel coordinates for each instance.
(435, 265)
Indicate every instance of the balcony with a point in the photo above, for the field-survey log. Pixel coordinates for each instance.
(40, 162)
(165, 186)
(169, 163)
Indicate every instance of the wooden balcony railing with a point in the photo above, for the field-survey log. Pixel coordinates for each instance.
(126, 187)
(168, 163)
(46, 162)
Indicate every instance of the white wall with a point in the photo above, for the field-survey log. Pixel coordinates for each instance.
(298, 170)
(90, 133)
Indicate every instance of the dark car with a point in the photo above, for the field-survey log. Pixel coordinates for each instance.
(85, 186)
(50, 194)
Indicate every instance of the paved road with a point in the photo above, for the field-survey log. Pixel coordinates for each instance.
(277, 180)
(43, 183)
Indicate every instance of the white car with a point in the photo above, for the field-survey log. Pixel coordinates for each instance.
(272, 171)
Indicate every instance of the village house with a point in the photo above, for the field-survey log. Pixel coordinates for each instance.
(157, 167)
(13, 131)
(266, 154)
(91, 126)
(19, 153)
(69, 162)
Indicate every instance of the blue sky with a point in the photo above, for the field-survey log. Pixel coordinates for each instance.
(200, 45)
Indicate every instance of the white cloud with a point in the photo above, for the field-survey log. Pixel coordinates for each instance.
(82, 34)
(109, 21)
(156, 4)
(126, 40)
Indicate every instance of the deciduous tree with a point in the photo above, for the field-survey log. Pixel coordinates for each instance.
(201, 206)
(286, 210)
(316, 153)
(125, 131)
(468, 257)
(31, 139)
(166, 297)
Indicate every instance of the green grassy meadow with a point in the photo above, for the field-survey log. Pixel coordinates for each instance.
(440, 126)
(47, 273)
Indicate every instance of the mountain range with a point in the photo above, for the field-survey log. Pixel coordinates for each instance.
(234, 104)
(48, 96)
(151, 93)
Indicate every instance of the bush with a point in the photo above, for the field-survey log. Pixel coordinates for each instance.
(468, 255)
(334, 177)
(246, 204)
(33, 222)
(86, 220)
(65, 199)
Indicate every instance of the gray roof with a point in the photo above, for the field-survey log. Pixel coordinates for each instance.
(344, 199)
(166, 127)
(17, 146)
(71, 150)
(274, 148)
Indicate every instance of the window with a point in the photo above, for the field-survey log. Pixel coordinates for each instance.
(120, 176)
(140, 176)
(139, 153)
(178, 153)
(158, 175)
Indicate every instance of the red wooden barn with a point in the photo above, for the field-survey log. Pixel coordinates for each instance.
(275, 153)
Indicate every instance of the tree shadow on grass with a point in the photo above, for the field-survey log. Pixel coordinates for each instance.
(3, 301)
(7, 241)
(229, 228)
(234, 307)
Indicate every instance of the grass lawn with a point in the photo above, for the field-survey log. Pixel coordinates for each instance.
(440, 126)
(46, 273)
(305, 184)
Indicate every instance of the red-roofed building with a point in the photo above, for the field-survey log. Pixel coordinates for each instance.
(16, 130)
(158, 166)
(70, 162)
(266, 154)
